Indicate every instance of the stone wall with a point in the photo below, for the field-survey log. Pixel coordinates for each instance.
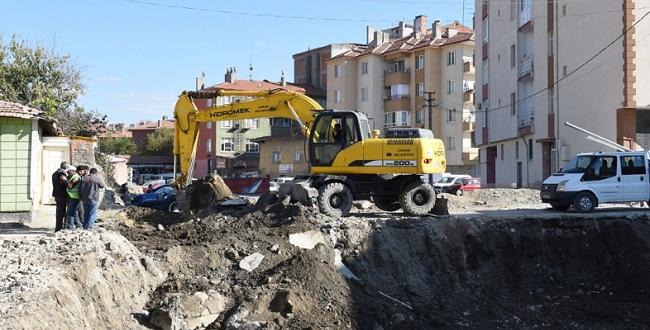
(82, 151)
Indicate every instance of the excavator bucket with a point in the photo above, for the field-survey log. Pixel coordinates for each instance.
(203, 194)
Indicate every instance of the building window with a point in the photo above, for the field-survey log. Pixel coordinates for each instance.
(275, 156)
(399, 91)
(530, 148)
(451, 58)
(485, 31)
(513, 56)
(517, 150)
(364, 68)
(551, 100)
(451, 143)
(208, 125)
(486, 113)
(451, 115)
(208, 146)
(451, 87)
(419, 63)
(421, 89)
(227, 144)
(298, 156)
(251, 123)
(513, 104)
(397, 118)
(419, 117)
(513, 9)
(337, 70)
(252, 146)
(364, 94)
(563, 10)
(226, 124)
(209, 103)
(486, 72)
(281, 122)
(564, 70)
(502, 152)
(337, 96)
(398, 66)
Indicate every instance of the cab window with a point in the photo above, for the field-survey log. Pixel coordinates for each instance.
(632, 165)
(601, 167)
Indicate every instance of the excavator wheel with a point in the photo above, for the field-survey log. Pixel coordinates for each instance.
(387, 204)
(418, 198)
(335, 199)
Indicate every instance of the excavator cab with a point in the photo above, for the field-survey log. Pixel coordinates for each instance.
(334, 131)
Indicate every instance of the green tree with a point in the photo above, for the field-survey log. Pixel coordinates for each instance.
(38, 77)
(160, 142)
(80, 122)
(117, 146)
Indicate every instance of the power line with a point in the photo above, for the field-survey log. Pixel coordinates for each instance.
(244, 13)
(572, 71)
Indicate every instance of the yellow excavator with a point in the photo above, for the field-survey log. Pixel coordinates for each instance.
(348, 160)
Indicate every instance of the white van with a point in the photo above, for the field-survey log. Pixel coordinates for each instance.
(600, 177)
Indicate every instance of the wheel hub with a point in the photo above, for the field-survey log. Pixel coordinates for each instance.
(420, 198)
(335, 201)
(585, 203)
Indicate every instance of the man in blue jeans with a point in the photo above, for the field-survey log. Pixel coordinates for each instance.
(89, 193)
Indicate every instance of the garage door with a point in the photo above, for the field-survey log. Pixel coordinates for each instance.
(15, 135)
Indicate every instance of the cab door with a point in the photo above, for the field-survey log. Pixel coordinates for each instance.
(335, 135)
(603, 176)
(634, 179)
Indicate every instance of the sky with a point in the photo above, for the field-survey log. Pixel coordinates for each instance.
(136, 56)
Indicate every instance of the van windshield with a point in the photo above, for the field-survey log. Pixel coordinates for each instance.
(578, 164)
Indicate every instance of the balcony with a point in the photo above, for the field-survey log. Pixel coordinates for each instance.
(397, 102)
(526, 67)
(485, 92)
(525, 16)
(468, 97)
(468, 68)
(399, 77)
(526, 118)
(470, 156)
(468, 125)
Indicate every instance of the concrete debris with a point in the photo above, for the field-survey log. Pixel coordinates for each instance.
(160, 227)
(342, 268)
(307, 240)
(185, 311)
(363, 205)
(251, 262)
(275, 248)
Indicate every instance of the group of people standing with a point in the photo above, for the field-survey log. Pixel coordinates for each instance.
(76, 192)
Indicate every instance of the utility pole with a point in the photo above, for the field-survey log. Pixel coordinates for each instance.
(429, 105)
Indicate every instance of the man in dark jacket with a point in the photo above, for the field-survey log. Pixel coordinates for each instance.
(89, 193)
(60, 194)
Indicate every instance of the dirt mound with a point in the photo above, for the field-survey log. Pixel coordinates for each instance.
(74, 280)
(497, 198)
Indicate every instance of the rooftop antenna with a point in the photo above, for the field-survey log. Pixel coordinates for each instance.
(250, 69)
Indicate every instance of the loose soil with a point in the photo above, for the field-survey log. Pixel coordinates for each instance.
(412, 273)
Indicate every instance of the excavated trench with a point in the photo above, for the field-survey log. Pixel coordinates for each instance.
(505, 273)
(415, 273)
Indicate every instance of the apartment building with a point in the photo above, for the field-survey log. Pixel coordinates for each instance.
(388, 79)
(538, 69)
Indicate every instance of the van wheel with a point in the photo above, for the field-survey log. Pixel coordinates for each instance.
(387, 204)
(560, 207)
(585, 202)
(418, 198)
(335, 199)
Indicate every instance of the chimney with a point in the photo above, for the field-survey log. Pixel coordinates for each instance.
(419, 26)
(370, 34)
(229, 77)
(436, 30)
(164, 118)
(283, 81)
(200, 82)
(401, 29)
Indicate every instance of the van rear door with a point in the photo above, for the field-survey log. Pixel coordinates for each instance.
(634, 178)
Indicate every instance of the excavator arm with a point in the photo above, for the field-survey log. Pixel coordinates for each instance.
(266, 104)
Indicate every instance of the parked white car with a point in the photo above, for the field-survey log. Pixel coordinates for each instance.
(602, 177)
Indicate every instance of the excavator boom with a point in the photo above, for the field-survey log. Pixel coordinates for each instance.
(265, 104)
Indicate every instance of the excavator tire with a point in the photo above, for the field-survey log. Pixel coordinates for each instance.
(335, 199)
(418, 198)
(387, 204)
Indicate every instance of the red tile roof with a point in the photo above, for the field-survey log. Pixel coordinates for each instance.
(264, 85)
(153, 125)
(410, 43)
(17, 110)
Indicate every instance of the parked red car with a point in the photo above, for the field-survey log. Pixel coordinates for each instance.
(457, 185)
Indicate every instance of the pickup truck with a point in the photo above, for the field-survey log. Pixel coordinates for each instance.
(595, 178)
